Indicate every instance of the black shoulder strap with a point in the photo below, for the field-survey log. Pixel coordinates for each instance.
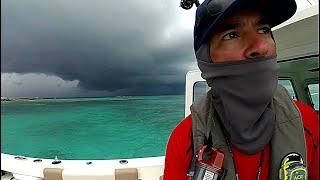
(191, 147)
(192, 164)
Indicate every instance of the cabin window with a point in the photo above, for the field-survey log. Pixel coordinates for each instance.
(314, 94)
(288, 85)
(199, 89)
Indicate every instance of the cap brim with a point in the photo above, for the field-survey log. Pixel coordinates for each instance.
(276, 11)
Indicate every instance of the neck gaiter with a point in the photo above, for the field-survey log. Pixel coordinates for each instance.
(242, 97)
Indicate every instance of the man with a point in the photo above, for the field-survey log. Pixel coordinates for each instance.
(245, 115)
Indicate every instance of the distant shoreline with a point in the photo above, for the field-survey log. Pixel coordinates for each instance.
(38, 98)
(19, 98)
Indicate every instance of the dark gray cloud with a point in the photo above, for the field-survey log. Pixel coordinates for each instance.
(125, 47)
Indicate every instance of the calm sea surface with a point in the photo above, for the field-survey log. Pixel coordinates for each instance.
(90, 128)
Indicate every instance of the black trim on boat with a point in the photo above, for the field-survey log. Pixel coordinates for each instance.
(314, 69)
(56, 162)
(37, 160)
(298, 58)
(123, 161)
(20, 158)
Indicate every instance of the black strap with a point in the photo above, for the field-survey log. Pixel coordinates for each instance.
(191, 147)
(192, 165)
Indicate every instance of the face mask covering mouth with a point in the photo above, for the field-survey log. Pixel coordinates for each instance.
(243, 93)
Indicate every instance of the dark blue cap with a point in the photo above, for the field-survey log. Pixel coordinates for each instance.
(211, 12)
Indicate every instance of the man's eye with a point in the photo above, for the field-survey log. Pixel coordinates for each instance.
(264, 30)
(231, 35)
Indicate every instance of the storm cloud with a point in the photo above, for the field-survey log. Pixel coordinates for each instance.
(96, 47)
(135, 47)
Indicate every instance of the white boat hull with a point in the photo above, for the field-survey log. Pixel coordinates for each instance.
(29, 169)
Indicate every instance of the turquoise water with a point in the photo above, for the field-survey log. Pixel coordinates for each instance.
(90, 128)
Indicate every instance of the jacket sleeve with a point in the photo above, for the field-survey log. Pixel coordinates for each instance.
(178, 155)
(313, 146)
(311, 130)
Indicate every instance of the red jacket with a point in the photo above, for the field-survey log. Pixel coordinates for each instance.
(178, 157)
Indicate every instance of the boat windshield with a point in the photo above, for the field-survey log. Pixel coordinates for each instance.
(313, 90)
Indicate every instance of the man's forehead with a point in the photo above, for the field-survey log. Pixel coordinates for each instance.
(238, 14)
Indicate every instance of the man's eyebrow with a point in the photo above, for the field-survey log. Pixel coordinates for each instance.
(227, 27)
(234, 25)
(263, 20)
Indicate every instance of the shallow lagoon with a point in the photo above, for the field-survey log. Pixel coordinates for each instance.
(90, 128)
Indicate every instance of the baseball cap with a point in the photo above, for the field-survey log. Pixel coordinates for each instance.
(211, 12)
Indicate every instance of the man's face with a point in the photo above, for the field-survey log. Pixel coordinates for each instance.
(243, 35)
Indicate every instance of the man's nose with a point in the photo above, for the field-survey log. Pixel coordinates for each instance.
(257, 47)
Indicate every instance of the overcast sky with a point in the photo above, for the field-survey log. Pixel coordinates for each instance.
(87, 48)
